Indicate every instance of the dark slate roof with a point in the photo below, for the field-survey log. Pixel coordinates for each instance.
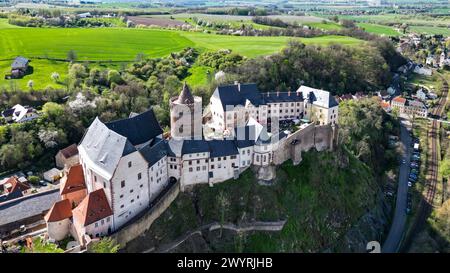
(19, 62)
(153, 153)
(274, 97)
(138, 129)
(10, 196)
(28, 206)
(128, 148)
(194, 146)
(264, 137)
(222, 148)
(8, 112)
(230, 95)
(185, 96)
(245, 136)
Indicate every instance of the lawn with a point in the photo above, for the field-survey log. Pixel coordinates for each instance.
(42, 70)
(325, 26)
(121, 44)
(4, 24)
(117, 45)
(255, 46)
(199, 75)
(430, 30)
(379, 29)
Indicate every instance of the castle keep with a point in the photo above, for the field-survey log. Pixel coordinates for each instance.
(125, 166)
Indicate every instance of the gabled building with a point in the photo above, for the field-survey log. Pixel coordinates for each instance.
(19, 67)
(67, 157)
(113, 159)
(73, 187)
(126, 165)
(232, 106)
(58, 219)
(92, 217)
(409, 107)
(19, 113)
(320, 106)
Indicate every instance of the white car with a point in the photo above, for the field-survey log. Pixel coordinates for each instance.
(409, 184)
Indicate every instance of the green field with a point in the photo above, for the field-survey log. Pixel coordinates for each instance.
(417, 23)
(4, 24)
(430, 30)
(199, 75)
(122, 44)
(379, 29)
(325, 26)
(42, 70)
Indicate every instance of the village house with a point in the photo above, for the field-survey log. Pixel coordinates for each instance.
(19, 113)
(421, 95)
(19, 67)
(409, 107)
(67, 157)
(125, 165)
(13, 188)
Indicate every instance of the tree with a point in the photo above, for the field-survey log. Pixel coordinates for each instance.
(55, 76)
(53, 110)
(52, 137)
(224, 203)
(33, 179)
(348, 23)
(30, 84)
(114, 77)
(40, 246)
(71, 56)
(105, 245)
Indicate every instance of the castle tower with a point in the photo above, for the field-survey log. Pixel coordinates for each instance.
(186, 115)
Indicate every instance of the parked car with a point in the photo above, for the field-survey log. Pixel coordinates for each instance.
(42, 183)
(409, 184)
(414, 171)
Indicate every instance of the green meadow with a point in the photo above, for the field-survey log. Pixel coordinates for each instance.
(121, 45)
(379, 29)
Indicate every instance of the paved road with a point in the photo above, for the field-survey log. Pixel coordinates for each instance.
(395, 235)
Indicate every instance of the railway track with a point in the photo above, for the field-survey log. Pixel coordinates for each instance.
(426, 204)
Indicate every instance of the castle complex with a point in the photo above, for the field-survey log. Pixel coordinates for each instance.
(126, 164)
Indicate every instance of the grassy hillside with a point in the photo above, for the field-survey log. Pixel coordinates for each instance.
(124, 44)
(320, 199)
(120, 44)
(379, 29)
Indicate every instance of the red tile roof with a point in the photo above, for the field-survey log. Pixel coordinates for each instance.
(93, 208)
(69, 151)
(385, 104)
(399, 100)
(16, 185)
(60, 210)
(73, 180)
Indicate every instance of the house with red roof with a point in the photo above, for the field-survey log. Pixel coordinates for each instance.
(58, 219)
(13, 188)
(92, 217)
(73, 186)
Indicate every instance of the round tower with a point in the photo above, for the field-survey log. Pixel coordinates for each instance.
(186, 115)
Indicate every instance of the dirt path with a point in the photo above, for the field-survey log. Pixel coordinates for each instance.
(246, 227)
